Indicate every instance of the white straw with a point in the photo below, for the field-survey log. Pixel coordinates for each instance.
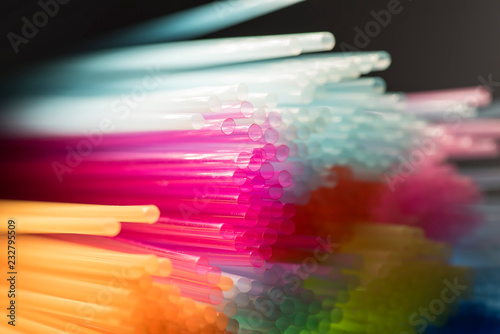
(185, 55)
(195, 22)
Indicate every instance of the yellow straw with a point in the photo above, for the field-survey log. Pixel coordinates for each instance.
(45, 319)
(74, 225)
(76, 290)
(147, 214)
(70, 257)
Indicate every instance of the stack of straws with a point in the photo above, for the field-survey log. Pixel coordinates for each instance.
(205, 206)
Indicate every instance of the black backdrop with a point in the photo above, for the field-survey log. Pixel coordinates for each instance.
(434, 43)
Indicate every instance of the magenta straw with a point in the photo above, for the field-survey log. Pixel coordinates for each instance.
(181, 228)
(217, 257)
(238, 243)
(268, 235)
(203, 293)
(249, 234)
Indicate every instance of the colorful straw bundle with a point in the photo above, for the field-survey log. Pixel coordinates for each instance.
(237, 187)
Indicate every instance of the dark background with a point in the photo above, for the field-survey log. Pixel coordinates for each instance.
(434, 44)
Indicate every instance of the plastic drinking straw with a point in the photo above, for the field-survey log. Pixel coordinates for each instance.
(375, 259)
(281, 226)
(368, 85)
(239, 243)
(75, 289)
(207, 294)
(5, 328)
(221, 258)
(40, 327)
(41, 321)
(194, 22)
(474, 96)
(179, 208)
(306, 71)
(435, 110)
(168, 160)
(250, 78)
(225, 283)
(43, 225)
(149, 263)
(182, 262)
(241, 283)
(181, 227)
(378, 60)
(465, 147)
(203, 96)
(185, 231)
(89, 171)
(476, 128)
(92, 265)
(226, 94)
(238, 110)
(363, 61)
(185, 55)
(68, 307)
(267, 235)
(175, 156)
(317, 69)
(263, 100)
(239, 56)
(67, 124)
(141, 284)
(224, 195)
(119, 141)
(131, 214)
(164, 103)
